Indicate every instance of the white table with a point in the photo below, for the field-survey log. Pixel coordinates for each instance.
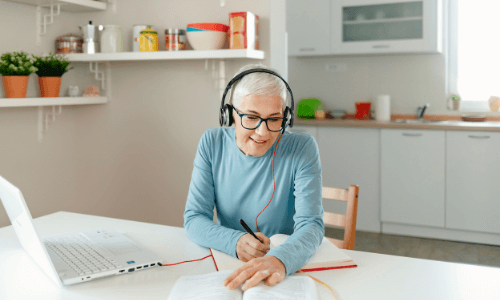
(377, 276)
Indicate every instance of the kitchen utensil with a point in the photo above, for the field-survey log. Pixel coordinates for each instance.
(136, 33)
(338, 113)
(307, 107)
(206, 40)
(111, 39)
(90, 45)
(362, 110)
(383, 108)
(478, 118)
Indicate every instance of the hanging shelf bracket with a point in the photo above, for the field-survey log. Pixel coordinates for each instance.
(99, 75)
(218, 76)
(43, 123)
(43, 21)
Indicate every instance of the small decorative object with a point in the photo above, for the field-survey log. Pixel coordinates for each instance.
(494, 102)
(456, 101)
(73, 91)
(50, 71)
(15, 68)
(91, 91)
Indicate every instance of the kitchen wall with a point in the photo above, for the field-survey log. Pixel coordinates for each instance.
(131, 158)
(410, 79)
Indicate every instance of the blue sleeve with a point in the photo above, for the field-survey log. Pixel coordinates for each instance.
(309, 228)
(198, 215)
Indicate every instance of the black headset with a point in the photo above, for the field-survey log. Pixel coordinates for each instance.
(226, 111)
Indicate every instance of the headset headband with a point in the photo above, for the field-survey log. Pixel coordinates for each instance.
(257, 70)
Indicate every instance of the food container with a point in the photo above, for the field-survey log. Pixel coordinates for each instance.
(69, 43)
(175, 39)
(136, 34)
(148, 40)
(338, 113)
(111, 39)
(243, 30)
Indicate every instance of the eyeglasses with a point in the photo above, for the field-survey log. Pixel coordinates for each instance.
(252, 122)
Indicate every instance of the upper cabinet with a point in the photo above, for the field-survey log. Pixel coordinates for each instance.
(365, 26)
(308, 27)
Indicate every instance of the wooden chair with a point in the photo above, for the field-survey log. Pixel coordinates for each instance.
(348, 221)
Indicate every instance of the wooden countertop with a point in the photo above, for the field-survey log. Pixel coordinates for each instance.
(414, 124)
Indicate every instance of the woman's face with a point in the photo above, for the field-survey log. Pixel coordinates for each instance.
(256, 142)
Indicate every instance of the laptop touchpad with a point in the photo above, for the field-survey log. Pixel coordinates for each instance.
(121, 248)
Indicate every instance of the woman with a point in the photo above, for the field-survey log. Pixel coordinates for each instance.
(233, 171)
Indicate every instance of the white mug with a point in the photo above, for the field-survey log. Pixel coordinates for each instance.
(111, 39)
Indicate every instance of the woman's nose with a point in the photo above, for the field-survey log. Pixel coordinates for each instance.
(262, 129)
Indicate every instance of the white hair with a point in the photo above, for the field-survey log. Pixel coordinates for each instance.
(259, 83)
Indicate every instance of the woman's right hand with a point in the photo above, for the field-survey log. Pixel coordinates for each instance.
(248, 247)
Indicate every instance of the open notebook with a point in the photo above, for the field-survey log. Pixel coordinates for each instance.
(327, 257)
(209, 286)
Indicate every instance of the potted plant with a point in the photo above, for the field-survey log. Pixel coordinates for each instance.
(455, 98)
(15, 68)
(50, 71)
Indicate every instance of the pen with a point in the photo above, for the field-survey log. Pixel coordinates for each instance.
(248, 229)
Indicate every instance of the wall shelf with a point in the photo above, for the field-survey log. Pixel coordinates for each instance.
(68, 5)
(168, 55)
(23, 102)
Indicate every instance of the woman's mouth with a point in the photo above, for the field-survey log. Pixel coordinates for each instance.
(258, 142)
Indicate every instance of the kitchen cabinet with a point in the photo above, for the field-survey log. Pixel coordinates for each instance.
(387, 26)
(472, 181)
(413, 177)
(308, 27)
(352, 156)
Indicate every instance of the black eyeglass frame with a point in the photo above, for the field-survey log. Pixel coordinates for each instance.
(260, 122)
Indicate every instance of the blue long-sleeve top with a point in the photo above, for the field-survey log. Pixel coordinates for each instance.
(240, 187)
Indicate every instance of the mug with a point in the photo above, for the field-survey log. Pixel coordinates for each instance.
(362, 110)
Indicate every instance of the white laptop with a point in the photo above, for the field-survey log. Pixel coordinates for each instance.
(78, 256)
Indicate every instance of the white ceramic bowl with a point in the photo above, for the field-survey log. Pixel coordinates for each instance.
(207, 40)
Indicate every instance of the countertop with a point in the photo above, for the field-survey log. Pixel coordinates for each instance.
(493, 126)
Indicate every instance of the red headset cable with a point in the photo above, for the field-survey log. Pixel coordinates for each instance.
(274, 184)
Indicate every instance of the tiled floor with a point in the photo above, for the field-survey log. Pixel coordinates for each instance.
(450, 251)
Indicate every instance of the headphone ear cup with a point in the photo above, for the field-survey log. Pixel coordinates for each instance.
(228, 115)
(286, 116)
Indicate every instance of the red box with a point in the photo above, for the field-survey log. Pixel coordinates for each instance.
(243, 30)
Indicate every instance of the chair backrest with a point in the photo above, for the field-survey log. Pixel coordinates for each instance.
(348, 221)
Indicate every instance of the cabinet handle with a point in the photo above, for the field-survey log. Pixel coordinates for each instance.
(381, 46)
(307, 49)
(479, 137)
(412, 134)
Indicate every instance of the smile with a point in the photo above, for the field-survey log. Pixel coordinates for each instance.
(258, 142)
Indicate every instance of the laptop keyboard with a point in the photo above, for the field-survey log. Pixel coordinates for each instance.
(80, 255)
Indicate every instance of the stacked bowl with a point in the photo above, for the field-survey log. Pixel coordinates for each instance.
(207, 36)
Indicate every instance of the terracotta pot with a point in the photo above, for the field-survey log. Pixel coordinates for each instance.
(15, 86)
(50, 86)
(456, 104)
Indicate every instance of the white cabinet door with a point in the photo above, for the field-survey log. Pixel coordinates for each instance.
(413, 177)
(473, 181)
(351, 156)
(387, 26)
(308, 27)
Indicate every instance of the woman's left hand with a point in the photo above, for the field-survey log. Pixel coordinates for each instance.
(267, 268)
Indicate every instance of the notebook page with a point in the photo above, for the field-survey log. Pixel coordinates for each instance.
(204, 287)
(291, 288)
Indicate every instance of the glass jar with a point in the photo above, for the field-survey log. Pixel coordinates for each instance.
(69, 43)
(175, 39)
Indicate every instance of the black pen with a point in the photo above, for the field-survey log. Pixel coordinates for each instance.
(248, 229)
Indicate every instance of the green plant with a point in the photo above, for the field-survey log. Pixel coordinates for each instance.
(455, 97)
(51, 65)
(16, 64)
